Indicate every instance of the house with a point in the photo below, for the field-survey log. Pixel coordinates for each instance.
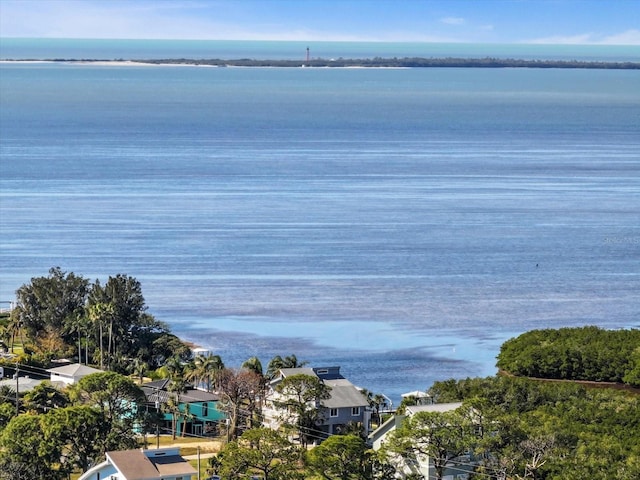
(198, 412)
(420, 465)
(161, 464)
(23, 384)
(70, 374)
(345, 405)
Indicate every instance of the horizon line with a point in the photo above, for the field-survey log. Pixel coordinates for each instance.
(311, 41)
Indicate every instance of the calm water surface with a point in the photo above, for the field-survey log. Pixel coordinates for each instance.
(400, 223)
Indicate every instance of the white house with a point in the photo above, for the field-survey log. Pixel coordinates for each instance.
(161, 464)
(70, 374)
(421, 465)
(346, 403)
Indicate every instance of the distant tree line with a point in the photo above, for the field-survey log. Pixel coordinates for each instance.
(380, 62)
(586, 353)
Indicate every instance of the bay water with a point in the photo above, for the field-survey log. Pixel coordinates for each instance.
(401, 223)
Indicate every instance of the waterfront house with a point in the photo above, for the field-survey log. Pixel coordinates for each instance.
(458, 469)
(160, 464)
(345, 406)
(196, 414)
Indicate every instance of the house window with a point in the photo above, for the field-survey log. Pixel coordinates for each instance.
(355, 411)
(205, 409)
(333, 412)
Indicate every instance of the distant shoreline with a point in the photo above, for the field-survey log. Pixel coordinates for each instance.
(413, 62)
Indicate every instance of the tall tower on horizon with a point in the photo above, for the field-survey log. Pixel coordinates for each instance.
(307, 54)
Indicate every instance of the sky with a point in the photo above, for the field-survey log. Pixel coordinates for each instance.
(470, 21)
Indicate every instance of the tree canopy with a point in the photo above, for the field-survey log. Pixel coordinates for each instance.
(341, 457)
(585, 353)
(298, 396)
(550, 430)
(65, 315)
(260, 451)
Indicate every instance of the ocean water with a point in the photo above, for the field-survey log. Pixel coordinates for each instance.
(401, 223)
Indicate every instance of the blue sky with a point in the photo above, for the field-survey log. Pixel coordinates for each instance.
(476, 21)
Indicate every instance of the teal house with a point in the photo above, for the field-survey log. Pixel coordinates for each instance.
(196, 414)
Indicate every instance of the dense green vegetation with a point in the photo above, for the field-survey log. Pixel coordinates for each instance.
(550, 430)
(63, 315)
(61, 431)
(509, 427)
(587, 353)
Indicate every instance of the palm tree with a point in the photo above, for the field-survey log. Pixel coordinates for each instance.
(77, 323)
(195, 370)
(140, 367)
(187, 416)
(174, 368)
(277, 363)
(16, 325)
(176, 387)
(5, 336)
(212, 368)
(379, 401)
(173, 407)
(254, 365)
(98, 314)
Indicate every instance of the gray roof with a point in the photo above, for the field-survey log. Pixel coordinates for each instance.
(157, 390)
(287, 372)
(25, 384)
(74, 370)
(344, 394)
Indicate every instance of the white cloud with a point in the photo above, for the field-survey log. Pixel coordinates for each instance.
(628, 37)
(562, 40)
(453, 21)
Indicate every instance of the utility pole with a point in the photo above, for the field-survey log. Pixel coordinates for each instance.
(157, 423)
(198, 448)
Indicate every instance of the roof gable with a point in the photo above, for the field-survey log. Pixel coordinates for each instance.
(288, 372)
(74, 370)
